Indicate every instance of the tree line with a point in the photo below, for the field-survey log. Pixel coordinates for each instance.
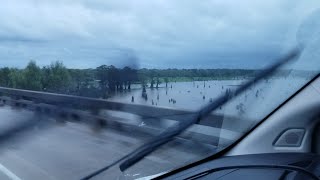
(105, 79)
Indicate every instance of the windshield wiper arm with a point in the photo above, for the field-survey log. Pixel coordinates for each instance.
(167, 135)
(175, 130)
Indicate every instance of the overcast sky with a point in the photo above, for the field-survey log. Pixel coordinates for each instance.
(149, 33)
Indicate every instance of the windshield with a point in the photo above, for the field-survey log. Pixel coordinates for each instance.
(142, 68)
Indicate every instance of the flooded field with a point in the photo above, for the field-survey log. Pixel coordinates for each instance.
(254, 103)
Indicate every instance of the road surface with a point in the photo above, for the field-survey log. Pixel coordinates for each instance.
(71, 151)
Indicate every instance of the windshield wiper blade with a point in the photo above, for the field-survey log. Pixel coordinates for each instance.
(167, 135)
(175, 130)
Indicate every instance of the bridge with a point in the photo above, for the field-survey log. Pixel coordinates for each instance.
(55, 136)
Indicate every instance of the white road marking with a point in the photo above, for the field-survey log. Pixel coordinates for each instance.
(151, 177)
(8, 173)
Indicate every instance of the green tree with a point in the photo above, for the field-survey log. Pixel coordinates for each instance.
(32, 77)
(16, 79)
(109, 78)
(142, 77)
(56, 78)
(166, 80)
(80, 79)
(151, 76)
(4, 77)
(102, 76)
(128, 75)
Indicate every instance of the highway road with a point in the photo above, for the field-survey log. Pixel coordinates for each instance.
(72, 150)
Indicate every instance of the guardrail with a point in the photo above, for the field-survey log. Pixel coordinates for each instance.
(94, 105)
(88, 110)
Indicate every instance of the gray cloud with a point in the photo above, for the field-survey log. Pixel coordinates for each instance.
(159, 33)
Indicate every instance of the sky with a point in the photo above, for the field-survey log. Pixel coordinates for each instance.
(151, 33)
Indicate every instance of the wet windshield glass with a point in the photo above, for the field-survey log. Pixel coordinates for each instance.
(142, 67)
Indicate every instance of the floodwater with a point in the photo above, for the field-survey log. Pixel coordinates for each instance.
(185, 95)
(255, 103)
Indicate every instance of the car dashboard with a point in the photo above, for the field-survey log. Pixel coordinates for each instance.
(257, 166)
